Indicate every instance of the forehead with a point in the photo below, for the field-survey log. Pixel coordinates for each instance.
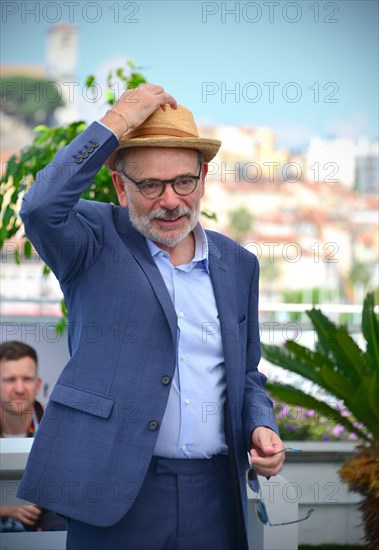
(26, 366)
(154, 160)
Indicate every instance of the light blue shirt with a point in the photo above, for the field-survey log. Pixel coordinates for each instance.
(193, 423)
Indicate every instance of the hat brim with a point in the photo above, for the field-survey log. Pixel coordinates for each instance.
(208, 147)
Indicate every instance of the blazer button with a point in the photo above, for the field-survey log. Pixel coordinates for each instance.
(78, 160)
(95, 144)
(85, 154)
(153, 425)
(166, 380)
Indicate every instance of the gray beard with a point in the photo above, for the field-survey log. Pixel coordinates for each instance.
(143, 223)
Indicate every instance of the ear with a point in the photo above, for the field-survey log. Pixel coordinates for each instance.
(204, 172)
(38, 385)
(120, 189)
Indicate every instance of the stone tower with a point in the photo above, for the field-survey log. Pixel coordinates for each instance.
(62, 55)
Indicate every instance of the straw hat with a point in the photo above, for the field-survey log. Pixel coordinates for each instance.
(169, 128)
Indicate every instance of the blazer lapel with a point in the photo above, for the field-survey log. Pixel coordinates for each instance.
(136, 245)
(226, 299)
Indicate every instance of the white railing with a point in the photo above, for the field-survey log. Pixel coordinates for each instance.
(14, 454)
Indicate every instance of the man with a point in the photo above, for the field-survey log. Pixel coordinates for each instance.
(146, 432)
(21, 414)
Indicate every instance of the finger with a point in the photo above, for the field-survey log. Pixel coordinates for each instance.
(171, 100)
(268, 462)
(150, 86)
(168, 99)
(28, 519)
(267, 472)
(32, 512)
(268, 466)
(264, 451)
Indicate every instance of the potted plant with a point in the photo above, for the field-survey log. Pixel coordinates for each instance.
(349, 375)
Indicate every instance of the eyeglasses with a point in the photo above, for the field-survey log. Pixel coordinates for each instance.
(154, 188)
(260, 506)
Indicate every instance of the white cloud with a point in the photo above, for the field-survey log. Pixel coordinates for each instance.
(351, 128)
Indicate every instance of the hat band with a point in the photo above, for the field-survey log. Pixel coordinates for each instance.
(158, 132)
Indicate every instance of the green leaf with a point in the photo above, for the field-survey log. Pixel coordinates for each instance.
(365, 406)
(296, 397)
(17, 256)
(370, 328)
(109, 97)
(337, 384)
(90, 80)
(40, 128)
(61, 326)
(339, 346)
(209, 215)
(63, 307)
(297, 359)
(27, 249)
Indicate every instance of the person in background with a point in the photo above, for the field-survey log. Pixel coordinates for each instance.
(20, 415)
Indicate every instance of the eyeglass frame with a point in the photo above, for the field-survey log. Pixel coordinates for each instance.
(260, 505)
(164, 183)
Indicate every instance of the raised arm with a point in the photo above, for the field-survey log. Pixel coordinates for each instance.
(65, 240)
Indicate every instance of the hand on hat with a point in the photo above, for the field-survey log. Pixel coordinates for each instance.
(135, 105)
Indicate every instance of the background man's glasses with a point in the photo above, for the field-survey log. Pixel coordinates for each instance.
(154, 188)
(260, 506)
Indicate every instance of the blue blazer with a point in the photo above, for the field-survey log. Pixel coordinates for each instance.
(98, 433)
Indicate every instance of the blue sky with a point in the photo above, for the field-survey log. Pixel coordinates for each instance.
(303, 68)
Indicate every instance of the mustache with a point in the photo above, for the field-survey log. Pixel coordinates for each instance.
(169, 215)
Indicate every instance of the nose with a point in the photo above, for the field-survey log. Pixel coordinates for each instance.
(169, 199)
(19, 386)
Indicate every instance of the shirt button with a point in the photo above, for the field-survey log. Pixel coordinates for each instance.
(166, 380)
(187, 401)
(181, 314)
(184, 447)
(153, 425)
(184, 357)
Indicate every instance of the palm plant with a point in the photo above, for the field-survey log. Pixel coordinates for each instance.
(349, 374)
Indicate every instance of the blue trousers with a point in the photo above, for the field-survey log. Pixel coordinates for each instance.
(184, 504)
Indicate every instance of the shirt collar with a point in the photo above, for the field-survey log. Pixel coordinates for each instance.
(201, 247)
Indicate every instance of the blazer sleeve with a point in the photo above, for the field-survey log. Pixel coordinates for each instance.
(63, 238)
(258, 407)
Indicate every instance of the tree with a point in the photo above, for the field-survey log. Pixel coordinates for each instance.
(30, 99)
(22, 169)
(240, 222)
